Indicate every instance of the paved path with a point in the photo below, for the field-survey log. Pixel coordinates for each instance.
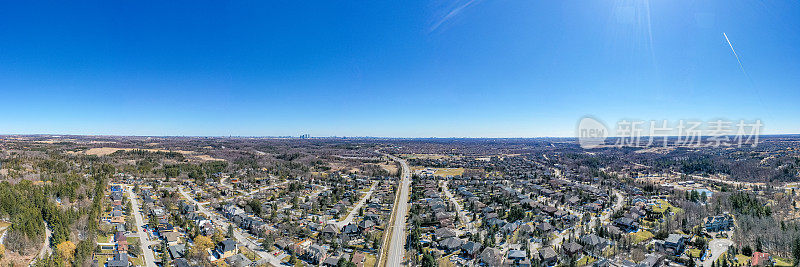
(397, 249)
(149, 258)
(358, 206)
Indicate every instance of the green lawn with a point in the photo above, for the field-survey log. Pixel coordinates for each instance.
(249, 254)
(369, 260)
(101, 260)
(586, 260)
(444, 261)
(138, 261)
(104, 239)
(742, 259)
(664, 206)
(782, 262)
(694, 253)
(641, 236)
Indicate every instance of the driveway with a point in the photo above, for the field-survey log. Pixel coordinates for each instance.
(716, 247)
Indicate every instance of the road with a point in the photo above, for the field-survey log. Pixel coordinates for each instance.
(606, 215)
(45, 250)
(459, 210)
(316, 193)
(347, 220)
(237, 233)
(577, 231)
(149, 258)
(397, 249)
(717, 180)
(716, 247)
(255, 191)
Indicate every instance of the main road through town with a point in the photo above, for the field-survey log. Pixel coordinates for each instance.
(397, 249)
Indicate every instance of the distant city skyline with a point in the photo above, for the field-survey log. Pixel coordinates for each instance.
(408, 69)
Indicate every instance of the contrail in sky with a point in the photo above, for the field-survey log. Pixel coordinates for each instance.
(735, 55)
(750, 79)
(451, 14)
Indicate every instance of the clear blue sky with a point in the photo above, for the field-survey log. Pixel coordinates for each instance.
(392, 68)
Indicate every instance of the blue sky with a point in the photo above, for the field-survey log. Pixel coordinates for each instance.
(393, 68)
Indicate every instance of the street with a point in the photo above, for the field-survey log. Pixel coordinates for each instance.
(398, 227)
(354, 211)
(716, 247)
(237, 233)
(144, 241)
(459, 209)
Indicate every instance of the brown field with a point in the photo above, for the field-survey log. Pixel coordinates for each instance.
(443, 172)
(15, 259)
(391, 168)
(104, 151)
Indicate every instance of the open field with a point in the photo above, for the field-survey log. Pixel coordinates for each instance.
(104, 151)
(444, 172)
(391, 168)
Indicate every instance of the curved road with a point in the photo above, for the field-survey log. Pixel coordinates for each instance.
(716, 247)
(46, 250)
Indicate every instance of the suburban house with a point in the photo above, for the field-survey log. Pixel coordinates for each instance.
(593, 243)
(518, 258)
(548, 256)
(673, 244)
(470, 249)
(227, 248)
(719, 223)
(572, 248)
(120, 260)
(761, 259)
(626, 224)
(492, 257)
(451, 244)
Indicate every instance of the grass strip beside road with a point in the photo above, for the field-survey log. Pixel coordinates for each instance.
(390, 226)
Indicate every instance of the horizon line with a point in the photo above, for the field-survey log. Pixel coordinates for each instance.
(360, 137)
